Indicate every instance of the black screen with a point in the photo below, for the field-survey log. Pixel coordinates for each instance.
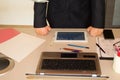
(68, 55)
(70, 36)
(108, 34)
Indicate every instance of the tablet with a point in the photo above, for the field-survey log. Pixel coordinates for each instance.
(70, 36)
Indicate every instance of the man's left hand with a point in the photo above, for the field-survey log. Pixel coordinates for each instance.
(94, 31)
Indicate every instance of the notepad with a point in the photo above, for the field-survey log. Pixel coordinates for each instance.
(70, 36)
(107, 45)
(20, 46)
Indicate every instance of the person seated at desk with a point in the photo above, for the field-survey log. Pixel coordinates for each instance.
(88, 14)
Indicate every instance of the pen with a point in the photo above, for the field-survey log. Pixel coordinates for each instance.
(73, 50)
(116, 43)
(100, 48)
(78, 46)
(47, 74)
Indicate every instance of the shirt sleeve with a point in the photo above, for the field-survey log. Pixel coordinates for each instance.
(98, 13)
(40, 14)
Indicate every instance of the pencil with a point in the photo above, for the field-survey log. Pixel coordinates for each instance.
(73, 50)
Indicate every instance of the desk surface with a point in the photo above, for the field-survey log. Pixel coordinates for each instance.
(29, 64)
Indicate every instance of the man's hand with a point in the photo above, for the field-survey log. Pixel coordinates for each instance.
(43, 31)
(94, 31)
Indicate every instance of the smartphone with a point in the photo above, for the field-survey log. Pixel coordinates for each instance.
(108, 34)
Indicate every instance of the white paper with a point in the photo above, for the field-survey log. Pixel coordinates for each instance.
(20, 46)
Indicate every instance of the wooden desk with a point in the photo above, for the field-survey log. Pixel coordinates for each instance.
(29, 64)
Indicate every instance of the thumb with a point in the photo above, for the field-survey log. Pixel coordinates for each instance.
(48, 28)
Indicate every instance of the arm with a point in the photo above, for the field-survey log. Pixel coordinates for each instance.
(39, 14)
(98, 18)
(98, 13)
(40, 23)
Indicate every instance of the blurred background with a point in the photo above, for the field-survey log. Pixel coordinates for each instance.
(20, 12)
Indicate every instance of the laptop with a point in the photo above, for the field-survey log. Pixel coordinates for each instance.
(69, 64)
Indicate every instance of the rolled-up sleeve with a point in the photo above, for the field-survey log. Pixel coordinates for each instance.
(98, 13)
(40, 14)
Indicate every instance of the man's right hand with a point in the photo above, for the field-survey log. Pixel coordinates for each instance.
(43, 31)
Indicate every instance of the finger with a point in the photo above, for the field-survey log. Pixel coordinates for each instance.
(48, 28)
(89, 29)
(96, 32)
(41, 31)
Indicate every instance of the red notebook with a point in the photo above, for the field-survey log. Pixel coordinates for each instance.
(6, 34)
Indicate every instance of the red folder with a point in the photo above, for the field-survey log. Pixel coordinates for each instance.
(6, 34)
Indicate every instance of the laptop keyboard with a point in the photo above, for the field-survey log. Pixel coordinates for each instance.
(68, 64)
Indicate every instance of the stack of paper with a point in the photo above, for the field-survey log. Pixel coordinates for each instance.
(17, 45)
